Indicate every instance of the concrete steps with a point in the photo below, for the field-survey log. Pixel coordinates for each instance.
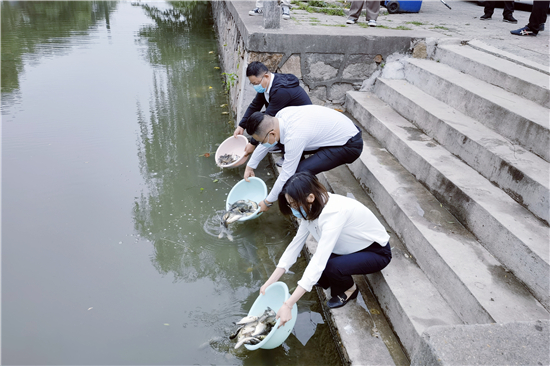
(510, 232)
(520, 120)
(403, 290)
(442, 164)
(520, 173)
(518, 79)
(480, 46)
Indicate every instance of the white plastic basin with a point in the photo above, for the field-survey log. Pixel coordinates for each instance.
(274, 297)
(232, 145)
(255, 190)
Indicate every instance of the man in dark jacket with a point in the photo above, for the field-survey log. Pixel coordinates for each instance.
(275, 91)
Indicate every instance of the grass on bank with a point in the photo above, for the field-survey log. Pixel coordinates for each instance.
(318, 7)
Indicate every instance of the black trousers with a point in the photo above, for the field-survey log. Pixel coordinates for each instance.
(508, 8)
(339, 268)
(538, 14)
(327, 158)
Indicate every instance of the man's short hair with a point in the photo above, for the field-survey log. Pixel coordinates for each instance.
(256, 68)
(254, 124)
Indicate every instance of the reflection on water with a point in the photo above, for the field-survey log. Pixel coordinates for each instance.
(32, 30)
(111, 247)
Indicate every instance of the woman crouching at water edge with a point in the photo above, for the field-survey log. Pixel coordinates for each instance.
(351, 241)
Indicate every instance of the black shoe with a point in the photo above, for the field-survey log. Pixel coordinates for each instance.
(485, 17)
(340, 300)
(541, 27)
(510, 19)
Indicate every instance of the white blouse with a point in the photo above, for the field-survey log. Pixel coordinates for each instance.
(345, 226)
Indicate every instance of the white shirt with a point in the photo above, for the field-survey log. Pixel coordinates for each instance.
(345, 226)
(304, 128)
(266, 93)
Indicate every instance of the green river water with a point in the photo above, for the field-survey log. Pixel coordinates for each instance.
(110, 248)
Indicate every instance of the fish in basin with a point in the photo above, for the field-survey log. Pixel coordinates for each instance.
(254, 329)
(227, 159)
(237, 210)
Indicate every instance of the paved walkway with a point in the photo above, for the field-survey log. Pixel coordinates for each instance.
(462, 21)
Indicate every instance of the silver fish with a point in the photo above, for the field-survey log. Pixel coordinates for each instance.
(260, 329)
(254, 329)
(227, 159)
(247, 319)
(247, 340)
(237, 210)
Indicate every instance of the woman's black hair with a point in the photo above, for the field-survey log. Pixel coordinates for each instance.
(256, 68)
(298, 188)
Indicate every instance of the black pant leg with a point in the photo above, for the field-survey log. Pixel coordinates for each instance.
(489, 8)
(508, 9)
(327, 158)
(538, 14)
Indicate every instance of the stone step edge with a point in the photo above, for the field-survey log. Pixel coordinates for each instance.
(520, 120)
(478, 45)
(540, 264)
(405, 293)
(517, 79)
(466, 138)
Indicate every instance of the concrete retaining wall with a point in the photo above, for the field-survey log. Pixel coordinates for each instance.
(327, 65)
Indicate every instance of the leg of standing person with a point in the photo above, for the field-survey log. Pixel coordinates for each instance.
(488, 10)
(355, 11)
(508, 11)
(538, 14)
(373, 9)
(258, 10)
(285, 6)
(327, 158)
(340, 268)
(536, 19)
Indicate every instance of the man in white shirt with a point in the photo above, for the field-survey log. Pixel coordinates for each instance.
(330, 135)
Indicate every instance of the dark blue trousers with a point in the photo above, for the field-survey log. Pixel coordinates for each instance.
(339, 268)
(327, 158)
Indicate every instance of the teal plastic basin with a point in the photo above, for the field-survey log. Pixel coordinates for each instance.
(255, 190)
(274, 297)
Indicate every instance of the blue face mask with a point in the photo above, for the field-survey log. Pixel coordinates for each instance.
(299, 214)
(269, 146)
(259, 88)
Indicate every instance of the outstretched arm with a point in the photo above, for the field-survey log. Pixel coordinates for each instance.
(285, 312)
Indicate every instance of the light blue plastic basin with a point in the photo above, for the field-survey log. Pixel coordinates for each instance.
(274, 297)
(255, 190)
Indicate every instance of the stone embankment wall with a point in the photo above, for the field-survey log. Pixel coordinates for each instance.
(327, 65)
